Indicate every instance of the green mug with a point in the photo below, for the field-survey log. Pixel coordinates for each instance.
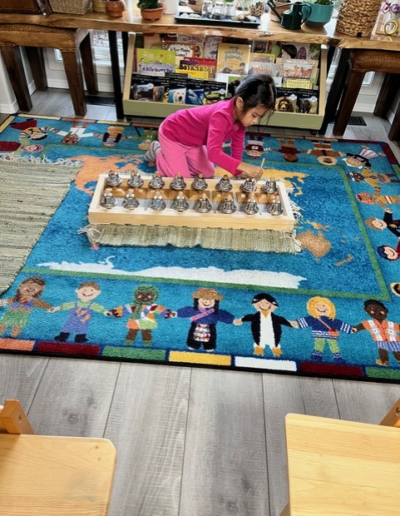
(320, 14)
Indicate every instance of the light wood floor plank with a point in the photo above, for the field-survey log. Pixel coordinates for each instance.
(20, 377)
(147, 424)
(284, 395)
(225, 458)
(74, 398)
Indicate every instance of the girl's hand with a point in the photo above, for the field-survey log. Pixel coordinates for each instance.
(250, 171)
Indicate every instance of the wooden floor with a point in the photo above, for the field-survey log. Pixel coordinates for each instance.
(190, 441)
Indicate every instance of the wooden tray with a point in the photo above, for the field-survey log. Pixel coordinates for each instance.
(217, 23)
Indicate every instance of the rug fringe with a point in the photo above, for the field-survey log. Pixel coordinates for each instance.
(40, 160)
(209, 238)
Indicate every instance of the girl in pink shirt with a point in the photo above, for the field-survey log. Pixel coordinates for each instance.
(190, 141)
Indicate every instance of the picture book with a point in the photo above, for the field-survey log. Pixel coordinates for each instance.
(214, 91)
(200, 64)
(151, 89)
(211, 46)
(260, 46)
(261, 57)
(300, 51)
(263, 63)
(156, 70)
(233, 58)
(298, 68)
(177, 88)
(194, 92)
(193, 74)
(180, 50)
(199, 41)
(154, 56)
(297, 83)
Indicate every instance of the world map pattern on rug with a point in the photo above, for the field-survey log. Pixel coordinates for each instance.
(332, 309)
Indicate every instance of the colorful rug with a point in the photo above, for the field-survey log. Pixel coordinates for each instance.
(331, 310)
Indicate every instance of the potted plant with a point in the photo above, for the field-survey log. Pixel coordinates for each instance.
(321, 12)
(151, 9)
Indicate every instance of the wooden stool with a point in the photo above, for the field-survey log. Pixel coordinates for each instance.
(68, 41)
(361, 62)
(45, 475)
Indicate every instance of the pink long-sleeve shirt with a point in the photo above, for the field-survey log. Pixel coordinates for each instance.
(211, 126)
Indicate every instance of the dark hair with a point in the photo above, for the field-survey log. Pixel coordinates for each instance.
(258, 88)
(263, 296)
(370, 302)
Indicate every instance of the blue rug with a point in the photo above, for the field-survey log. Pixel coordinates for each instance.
(330, 310)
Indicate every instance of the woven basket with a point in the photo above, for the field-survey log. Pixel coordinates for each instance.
(357, 17)
(71, 6)
(99, 6)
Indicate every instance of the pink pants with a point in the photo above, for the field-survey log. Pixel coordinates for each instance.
(175, 158)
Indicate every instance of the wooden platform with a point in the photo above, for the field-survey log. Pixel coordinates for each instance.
(145, 215)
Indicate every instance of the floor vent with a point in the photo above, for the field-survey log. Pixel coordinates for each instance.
(100, 101)
(357, 120)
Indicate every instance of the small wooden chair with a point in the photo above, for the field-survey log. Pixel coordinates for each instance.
(361, 62)
(341, 467)
(70, 42)
(51, 476)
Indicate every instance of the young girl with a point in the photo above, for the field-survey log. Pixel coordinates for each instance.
(191, 140)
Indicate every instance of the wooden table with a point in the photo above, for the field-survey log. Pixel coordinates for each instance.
(268, 30)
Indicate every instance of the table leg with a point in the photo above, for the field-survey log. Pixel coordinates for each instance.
(13, 62)
(36, 62)
(336, 90)
(112, 40)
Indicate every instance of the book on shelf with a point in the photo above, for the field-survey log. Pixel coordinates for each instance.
(214, 91)
(154, 56)
(156, 70)
(233, 58)
(260, 46)
(298, 68)
(194, 92)
(177, 88)
(211, 46)
(263, 63)
(300, 51)
(198, 41)
(181, 50)
(297, 83)
(149, 89)
(291, 100)
(199, 64)
(193, 74)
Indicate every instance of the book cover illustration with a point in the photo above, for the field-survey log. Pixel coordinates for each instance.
(154, 56)
(177, 88)
(194, 92)
(199, 41)
(200, 64)
(297, 68)
(260, 47)
(263, 63)
(211, 46)
(193, 74)
(214, 91)
(155, 70)
(297, 83)
(181, 50)
(150, 89)
(233, 58)
(300, 51)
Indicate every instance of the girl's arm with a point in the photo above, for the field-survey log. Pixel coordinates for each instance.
(217, 128)
(249, 171)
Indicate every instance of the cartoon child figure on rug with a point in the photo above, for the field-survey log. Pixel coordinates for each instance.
(80, 312)
(266, 327)
(142, 314)
(21, 305)
(383, 332)
(325, 328)
(204, 315)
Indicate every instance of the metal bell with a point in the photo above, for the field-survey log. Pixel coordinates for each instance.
(135, 181)
(108, 200)
(180, 203)
(224, 184)
(199, 183)
(157, 182)
(203, 205)
(227, 206)
(157, 203)
(269, 186)
(130, 202)
(113, 178)
(251, 207)
(178, 183)
(248, 186)
(276, 207)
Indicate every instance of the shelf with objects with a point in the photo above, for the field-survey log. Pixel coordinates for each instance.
(165, 73)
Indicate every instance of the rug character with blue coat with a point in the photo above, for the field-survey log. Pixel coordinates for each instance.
(204, 315)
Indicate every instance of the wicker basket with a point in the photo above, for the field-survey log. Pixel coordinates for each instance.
(71, 6)
(357, 17)
(99, 6)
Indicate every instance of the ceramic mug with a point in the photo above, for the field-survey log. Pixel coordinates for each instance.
(320, 14)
